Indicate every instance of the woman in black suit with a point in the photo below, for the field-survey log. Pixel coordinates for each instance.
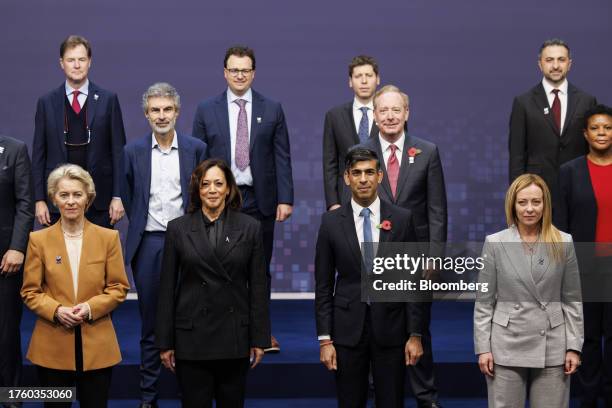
(213, 296)
(586, 213)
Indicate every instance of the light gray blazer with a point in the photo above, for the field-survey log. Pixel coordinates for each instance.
(528, 319)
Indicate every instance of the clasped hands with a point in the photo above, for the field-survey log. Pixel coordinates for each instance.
(72, 316)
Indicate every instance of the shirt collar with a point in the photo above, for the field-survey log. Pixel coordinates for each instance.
(548, 88)
(84, 89)
(374, 207)
(231, 97)
(174, 144)
(358, 105)
(384, 145)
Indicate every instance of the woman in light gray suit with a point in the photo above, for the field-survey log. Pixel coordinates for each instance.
(528, 329)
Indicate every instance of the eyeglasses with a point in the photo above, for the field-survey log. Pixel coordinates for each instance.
(67, 130)
(235, 71)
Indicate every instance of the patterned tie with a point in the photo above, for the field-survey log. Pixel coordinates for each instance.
(556, 109)
(368, 246)
(242, 137)
(393, 169)
(76, 107)
(364, 125)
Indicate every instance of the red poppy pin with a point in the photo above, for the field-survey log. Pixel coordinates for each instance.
(385, 225)
(412, 153)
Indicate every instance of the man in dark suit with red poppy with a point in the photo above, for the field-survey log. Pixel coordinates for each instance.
(413, 179)
(355, 335)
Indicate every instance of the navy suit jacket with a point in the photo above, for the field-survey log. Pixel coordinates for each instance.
(137, 182)
(270, 156)
(104, 153)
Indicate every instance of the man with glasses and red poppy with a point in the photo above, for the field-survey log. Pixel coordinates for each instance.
(249, 132)
(79, 123)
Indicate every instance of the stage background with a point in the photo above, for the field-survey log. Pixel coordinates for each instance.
(461, 62)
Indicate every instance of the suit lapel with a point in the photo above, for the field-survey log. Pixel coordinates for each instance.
(385, 215)
(186, 158)
(199, 240)
(257, 114)
(404, 167)
(541, 101)
(511, 242)
(88, 249)
(223, 123)
(386, 187)
(59, 104)
(92, 104)
(60, 255)
(144, 167)
(349, 120)
(350, 232)
(373, 130)
(572, 101)
(231, 235)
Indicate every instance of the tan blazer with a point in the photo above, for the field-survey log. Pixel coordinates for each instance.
(528, 319)
(47, 284)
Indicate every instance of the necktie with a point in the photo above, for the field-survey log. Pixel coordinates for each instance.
(364, 125)
(76, 106)
(556, 109)
(242, 137)
(368, 246)
(393, 169)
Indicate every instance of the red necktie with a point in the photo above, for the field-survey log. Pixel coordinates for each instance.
(393, 169)
(76, 107)
(556, 109)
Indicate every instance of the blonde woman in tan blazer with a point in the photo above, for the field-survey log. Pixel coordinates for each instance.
(73, 278)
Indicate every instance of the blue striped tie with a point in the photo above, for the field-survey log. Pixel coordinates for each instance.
(364, 125)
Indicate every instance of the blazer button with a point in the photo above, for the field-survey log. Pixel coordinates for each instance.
(203, 283)
(542, 332)
(231, 310)
(517, 307)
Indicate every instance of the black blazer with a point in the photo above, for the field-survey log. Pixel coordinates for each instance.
(104, 153)
(577, 210)
(534, 143)
(339, 135)
(213, 304)
(338, 263)
(16, 196)
(420, 188)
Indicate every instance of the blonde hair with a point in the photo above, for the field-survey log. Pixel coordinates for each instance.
(71, 172)
(388, 89)
(548, 232)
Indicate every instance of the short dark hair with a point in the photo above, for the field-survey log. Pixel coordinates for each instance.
(362, 60)
(595, 110)
(554, 42)
(358, 154)
(239, 51)
(72, 41)
(233, 200)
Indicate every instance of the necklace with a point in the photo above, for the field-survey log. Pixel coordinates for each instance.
(69, 235)
(531, 247)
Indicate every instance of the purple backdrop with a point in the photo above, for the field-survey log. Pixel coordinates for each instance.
(461, 62)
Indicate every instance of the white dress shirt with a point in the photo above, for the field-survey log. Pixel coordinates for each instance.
(165, 195)
(357, 114)
(83, 92)
(548, 90)
(386, 149)
(374, 222)
(243, 177)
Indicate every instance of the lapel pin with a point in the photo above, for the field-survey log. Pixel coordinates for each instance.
(58, 259)
(546, 111)
(258, 119)
(411, 159)
(1, 149)
(226, 239)
(96, 97)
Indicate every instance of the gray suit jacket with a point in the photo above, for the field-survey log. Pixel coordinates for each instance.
(528, 319)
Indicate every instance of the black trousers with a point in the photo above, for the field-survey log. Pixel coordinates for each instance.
(201, 381)
(10, 335)
(388, 371)
(91, 386)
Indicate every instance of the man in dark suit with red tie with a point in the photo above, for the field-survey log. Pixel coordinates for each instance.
(79, 123)
(347, 125)
(355, 335)
(546, 121)
(413, 179)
